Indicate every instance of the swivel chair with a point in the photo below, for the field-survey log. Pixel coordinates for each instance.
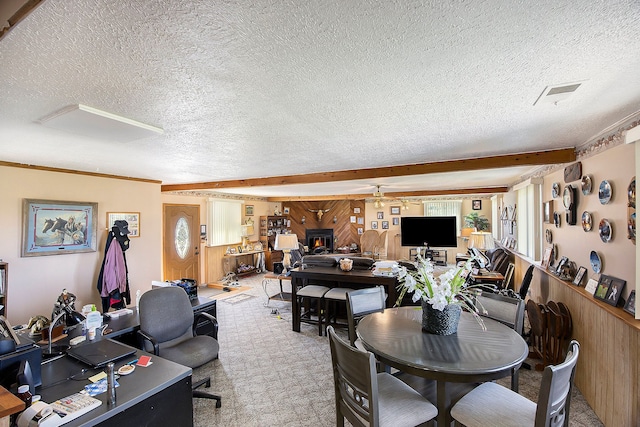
(167, 329)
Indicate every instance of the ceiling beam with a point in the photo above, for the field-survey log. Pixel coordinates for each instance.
(397, 195)
(564, 155)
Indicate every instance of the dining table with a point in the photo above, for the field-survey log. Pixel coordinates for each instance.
(472, 355)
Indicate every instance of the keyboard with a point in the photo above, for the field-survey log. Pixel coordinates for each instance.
(71, 407)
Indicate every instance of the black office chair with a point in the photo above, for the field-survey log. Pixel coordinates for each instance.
(167, 329)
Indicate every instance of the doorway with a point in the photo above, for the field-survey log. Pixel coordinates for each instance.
(181, 242)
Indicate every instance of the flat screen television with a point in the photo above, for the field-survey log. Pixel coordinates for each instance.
(429, 231)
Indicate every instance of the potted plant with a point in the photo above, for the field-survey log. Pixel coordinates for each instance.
(474, 220)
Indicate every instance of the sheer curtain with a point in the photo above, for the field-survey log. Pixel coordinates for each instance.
(445, 208)
(224, 218)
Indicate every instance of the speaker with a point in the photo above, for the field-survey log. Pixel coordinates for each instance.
(278, 268)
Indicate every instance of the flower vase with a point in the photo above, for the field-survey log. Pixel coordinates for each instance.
(438, 322)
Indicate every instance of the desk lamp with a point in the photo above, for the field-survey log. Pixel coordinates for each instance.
(482, 241)
(286, 243)
(73, 318)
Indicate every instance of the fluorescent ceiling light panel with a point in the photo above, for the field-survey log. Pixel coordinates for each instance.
(83, 120)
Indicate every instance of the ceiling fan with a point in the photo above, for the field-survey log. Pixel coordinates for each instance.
(378, 195)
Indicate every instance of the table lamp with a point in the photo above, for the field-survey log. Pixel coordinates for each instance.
(482, 241)
(247, 230)
(72, 318)
(286, 243)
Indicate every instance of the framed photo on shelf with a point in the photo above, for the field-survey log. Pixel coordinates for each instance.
(374, 225)
(395, 210)
(615, 291)
(248, 210)
(546, 257)
(55, 227)
(476, 205)
(132, 218)
(630, 305)
(579, 276)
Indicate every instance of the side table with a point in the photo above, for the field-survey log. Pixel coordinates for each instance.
(280, 296)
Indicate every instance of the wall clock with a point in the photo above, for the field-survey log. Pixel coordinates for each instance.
(569, 202)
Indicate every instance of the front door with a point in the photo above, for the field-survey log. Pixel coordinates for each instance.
(181, 242)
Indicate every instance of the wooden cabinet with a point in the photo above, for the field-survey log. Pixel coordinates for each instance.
(4, 267)
(270, 226)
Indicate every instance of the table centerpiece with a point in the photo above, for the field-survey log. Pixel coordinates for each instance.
(442, 297)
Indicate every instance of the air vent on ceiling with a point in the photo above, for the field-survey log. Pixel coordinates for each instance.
(556, 93)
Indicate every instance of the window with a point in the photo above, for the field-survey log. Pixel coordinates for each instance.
(445, 208)
(224, 219)
(529, 219)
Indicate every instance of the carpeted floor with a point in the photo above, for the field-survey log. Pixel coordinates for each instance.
(269, 375)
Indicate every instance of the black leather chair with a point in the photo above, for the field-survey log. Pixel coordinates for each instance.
(167, 329)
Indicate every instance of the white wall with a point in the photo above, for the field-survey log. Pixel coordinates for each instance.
(34, 283)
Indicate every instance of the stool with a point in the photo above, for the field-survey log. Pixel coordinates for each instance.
(306, 295)
(332, 298)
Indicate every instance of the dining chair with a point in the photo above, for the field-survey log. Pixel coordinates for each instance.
(508, 275)
(368, 398)
(493, 404)
(168, 329)
(506, 310)
(360, 303)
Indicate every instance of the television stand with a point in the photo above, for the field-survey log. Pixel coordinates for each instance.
(438, 256)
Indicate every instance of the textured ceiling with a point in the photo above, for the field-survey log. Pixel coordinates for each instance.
(263, 88)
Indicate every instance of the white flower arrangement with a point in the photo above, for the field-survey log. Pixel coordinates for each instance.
(448, 288)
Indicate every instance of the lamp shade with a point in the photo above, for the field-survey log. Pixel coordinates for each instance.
(481, 240)
(286, 242)
(466, 232)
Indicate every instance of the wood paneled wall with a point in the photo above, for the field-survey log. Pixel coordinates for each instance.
(343, 230)
(608, 373)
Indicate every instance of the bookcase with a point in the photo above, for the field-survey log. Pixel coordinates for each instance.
(270, 226)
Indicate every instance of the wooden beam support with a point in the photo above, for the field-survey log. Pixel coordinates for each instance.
(75, 172)
(564, 155)
(393, 197)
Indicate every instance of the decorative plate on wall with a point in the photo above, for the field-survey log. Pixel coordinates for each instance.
(586, 185)
(587, 222)
(631, 193)
(605, 229)
(605, 192)
(596, 262)
(631, 227)
(555, 190)
(557, 219)
(548, 235)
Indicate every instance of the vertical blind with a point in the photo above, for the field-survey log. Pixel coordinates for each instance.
(224, 221)
(445, 208)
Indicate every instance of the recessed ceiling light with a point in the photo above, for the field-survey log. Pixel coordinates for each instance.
(88, 121)
(556, 93)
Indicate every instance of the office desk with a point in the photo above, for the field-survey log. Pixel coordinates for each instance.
(469, 356)
(159, 394)
(333, 277)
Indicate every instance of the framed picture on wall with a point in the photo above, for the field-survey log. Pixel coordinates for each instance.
(374, 225)
(356, 210)
(132, 218)
(385, 225)
(395, 210)
(548, 212)
(248, 210)
(380, 215)
(476, 205)
(396, 221)
(55, 227)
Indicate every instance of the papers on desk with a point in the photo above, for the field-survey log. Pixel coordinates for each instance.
(117, 313)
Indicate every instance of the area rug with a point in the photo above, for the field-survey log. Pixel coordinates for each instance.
(219, 294)
(237, 298)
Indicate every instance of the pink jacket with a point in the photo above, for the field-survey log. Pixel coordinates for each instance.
(114, 275)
